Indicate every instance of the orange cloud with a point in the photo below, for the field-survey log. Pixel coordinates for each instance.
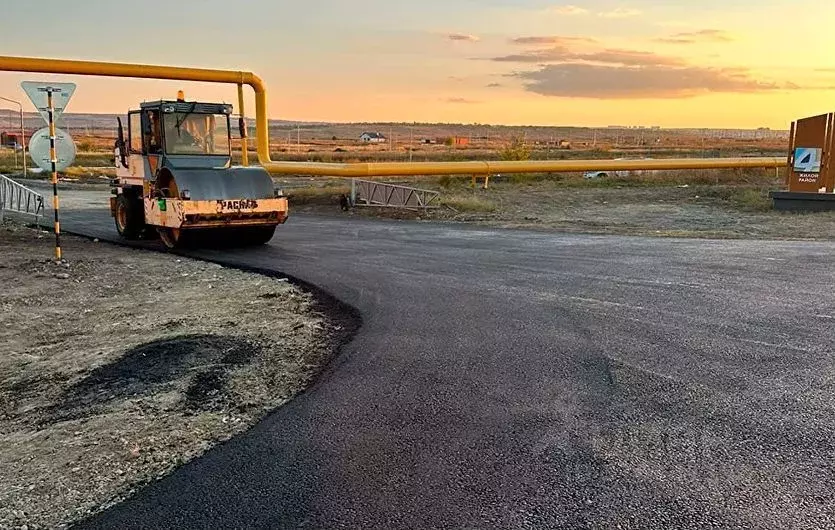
(550, 40)
(652, 81)
(461, 101)
(621, 12)
(615, 73)
(631, 58)
(570, 10)
(692, 37)
(610, 56)
(462, 37)
(550, 55)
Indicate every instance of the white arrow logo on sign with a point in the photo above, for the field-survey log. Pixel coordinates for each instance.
(61, 94)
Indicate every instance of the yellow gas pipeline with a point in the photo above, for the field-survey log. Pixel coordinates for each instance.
(381, 169)
(385, 169)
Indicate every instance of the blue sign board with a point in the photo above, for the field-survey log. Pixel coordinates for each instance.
(807, 159)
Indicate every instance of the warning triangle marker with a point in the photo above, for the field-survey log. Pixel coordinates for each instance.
(61, 95)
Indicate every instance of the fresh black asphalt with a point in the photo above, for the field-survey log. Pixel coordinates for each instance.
(510, 379)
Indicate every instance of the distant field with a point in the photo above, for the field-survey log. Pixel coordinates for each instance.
(85, 163)
(347, 155)
(341, 144)
(709, 203)
(332, 142)
(511, 199)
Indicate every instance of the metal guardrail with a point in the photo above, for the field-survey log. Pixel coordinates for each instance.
(17, 198)
(371, 193)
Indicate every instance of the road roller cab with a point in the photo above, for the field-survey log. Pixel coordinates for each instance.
(174, 177)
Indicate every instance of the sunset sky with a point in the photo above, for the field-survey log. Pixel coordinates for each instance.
(711, 63)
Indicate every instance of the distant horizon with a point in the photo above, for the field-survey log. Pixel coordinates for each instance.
(31, 115)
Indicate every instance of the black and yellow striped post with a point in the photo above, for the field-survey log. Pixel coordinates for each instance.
(53, 158)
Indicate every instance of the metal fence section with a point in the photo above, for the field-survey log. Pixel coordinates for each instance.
(17, 198)
(371, 193)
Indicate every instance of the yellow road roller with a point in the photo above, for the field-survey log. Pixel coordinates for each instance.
(175, 179)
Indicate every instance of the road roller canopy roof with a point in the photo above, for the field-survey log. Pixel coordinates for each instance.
(186, 128)
(188, 106)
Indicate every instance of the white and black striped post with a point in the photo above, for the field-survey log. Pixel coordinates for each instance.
(53, 158)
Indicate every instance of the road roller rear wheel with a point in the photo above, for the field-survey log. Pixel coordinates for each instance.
(130, 217)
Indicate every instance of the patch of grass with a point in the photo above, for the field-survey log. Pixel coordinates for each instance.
(469, 203)
(527, 178)
(85, 146)
(87, 160)
(445, 182)
(86, 172)
(740, 197)
(637, 179)
(750, 198)
(517, 149)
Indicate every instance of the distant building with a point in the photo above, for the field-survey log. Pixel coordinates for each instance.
(8, 139)
(372, 138)
(458, 141)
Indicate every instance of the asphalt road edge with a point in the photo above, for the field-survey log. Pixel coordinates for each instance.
(344, 318)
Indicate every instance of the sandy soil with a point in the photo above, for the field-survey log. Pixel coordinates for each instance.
(121, 365)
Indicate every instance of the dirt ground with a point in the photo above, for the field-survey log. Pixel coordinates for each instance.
(709, 211)
(121, 365)
(677, 204)
(679, 209)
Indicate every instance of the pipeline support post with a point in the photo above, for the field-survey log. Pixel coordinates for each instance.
(23, 144)
(243, 127)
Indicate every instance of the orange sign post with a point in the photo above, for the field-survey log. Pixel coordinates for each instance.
(811, 175)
